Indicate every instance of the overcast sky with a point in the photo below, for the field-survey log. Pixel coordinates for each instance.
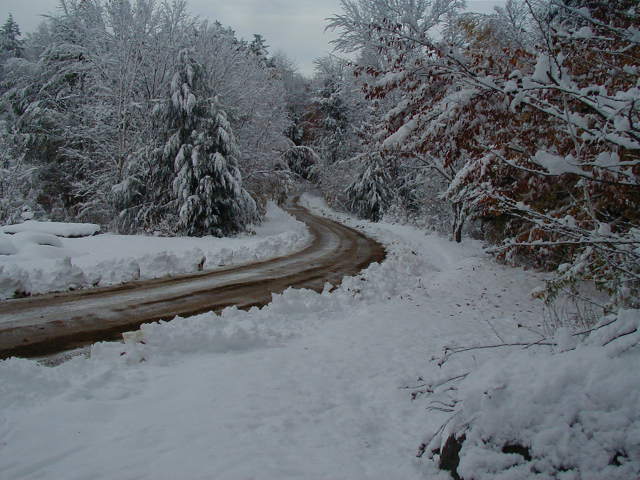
(295, 27)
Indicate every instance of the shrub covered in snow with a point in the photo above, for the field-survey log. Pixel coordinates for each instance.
(568, 414)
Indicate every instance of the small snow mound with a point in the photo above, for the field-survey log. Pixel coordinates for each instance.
(575, 412)
(617, 333)
(13, 280)
(233, 331)
(27, 237)
(61, 277)
(59, 229)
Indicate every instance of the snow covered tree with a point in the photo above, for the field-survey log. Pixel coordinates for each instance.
(17, 180)
(330, 110)
(10, 43)
(558, 175)
(335, 110)
(399, 74)
(530, 118)
(260, 49)
(297, 97)
(207, 185)
(11, 46)
(370, 194)
(47, 98)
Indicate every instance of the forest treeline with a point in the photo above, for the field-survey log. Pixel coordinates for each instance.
(520, 126)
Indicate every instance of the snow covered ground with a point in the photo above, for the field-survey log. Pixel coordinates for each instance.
(314, 386)
(35, 261)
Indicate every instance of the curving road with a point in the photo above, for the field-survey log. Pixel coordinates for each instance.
(48, 324)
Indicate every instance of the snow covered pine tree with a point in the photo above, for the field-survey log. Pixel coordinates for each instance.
(369, 194)
(207, 184)
(10, 43)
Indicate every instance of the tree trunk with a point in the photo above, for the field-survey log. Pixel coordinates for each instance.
(458, 221)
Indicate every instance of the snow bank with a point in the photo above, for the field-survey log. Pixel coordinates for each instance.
(568, 413)
(59, 229)
(38, 262)
(572, 414)
(58, 275)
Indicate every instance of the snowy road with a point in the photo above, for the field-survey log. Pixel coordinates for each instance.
(313, 386)
(53, 323)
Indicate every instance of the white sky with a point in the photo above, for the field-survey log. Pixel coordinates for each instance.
(295, 27)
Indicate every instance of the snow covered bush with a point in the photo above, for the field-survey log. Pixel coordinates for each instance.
(570, 414)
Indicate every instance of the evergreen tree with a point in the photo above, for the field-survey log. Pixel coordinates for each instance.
(260, 49)
(332, 111)
(207, 185)
(302, 161)
(10, 43)
(10, 47)
(369, 195)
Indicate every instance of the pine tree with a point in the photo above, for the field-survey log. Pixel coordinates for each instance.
(260, 49)
(10, 47)
(369, 195)
(10, 44)
(302, 161)
(207, 184)
(332, 111)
